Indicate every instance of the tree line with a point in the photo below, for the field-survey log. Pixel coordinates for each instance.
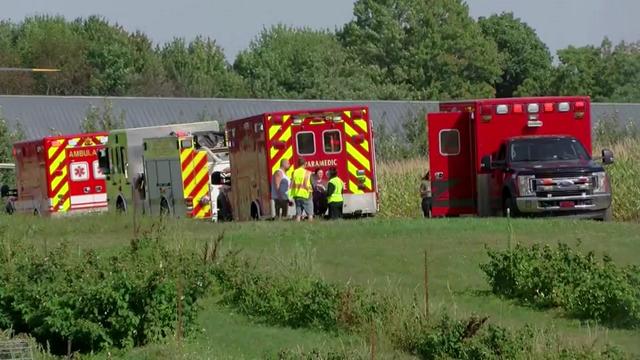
(391, 49)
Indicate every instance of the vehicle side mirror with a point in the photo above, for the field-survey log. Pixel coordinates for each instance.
(216, 178)
(485, 163)
(607, 156)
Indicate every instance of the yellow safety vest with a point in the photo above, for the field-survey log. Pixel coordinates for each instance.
(336, 196)
(301, 184)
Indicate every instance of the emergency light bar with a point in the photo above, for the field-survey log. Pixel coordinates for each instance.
(533, 108)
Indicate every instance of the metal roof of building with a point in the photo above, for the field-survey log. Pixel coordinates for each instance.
(41, 115)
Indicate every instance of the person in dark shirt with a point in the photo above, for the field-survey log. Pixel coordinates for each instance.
(224, 205)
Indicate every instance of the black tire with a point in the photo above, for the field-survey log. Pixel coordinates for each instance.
(509, 207)
(255, 215)
(120, 207)
(9, 208)
(36, 212)
(608, 214)
(165, 210)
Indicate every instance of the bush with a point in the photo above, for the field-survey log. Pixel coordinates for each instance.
(98, 302)
(296, 299)
(582, 285)
(475, 338)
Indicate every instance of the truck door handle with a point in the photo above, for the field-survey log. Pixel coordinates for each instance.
(439, 175)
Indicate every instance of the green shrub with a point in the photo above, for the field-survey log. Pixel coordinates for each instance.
(582, 285)
(96, 301)
(296, 299)
(476, 338)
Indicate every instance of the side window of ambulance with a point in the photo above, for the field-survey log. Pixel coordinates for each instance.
(449, 142)
(305, 143)
(332, 141)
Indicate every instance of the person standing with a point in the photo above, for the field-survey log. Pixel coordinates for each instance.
(334, 195)
(301, 190)
(319, 192)
(425, 194)
(280, 190)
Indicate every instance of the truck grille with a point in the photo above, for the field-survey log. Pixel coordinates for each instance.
(563, 186)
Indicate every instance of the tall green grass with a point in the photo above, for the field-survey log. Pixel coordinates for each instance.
(399, 183)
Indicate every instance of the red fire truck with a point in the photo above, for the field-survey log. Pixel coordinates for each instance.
(56, 175)
(325, 138)
(520, 156)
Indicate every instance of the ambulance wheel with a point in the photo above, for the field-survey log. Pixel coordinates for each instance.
(120, 207)
(255, 214)
(165, 210)
(9, 208)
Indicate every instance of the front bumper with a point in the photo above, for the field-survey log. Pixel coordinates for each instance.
(576, 204)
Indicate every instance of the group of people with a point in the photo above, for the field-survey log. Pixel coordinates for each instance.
(311, 193)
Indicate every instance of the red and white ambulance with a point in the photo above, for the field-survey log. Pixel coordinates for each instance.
(325, 138)
(58, 175)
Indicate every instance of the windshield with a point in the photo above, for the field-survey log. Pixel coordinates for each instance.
(547, 149)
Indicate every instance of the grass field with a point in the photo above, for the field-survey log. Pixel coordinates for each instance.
(381, 253)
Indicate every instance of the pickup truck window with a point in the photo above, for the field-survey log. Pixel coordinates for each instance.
(546, 149)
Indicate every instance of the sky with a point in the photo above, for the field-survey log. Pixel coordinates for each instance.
(234, 23)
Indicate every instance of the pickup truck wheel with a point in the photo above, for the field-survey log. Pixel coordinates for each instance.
(608, 214)
(509, 207)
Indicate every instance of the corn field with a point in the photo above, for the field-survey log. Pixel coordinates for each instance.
(399, 183)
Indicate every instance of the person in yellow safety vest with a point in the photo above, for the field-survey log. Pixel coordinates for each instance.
(334, 195)
(301, 190)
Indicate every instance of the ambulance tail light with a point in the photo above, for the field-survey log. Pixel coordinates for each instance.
(188, 202)
(579, 108)
(358, 139)
(485, 113)
(277, 119)
(279, 145)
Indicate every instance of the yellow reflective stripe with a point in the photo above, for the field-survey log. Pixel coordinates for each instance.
(287, 155)
(56, 181)
(355, 153)
(351, 132)
(67, 204)
(353, 187)
(57, 161)
(362, 124)
(202, 213)
(353, 170)
(184, 155)
(286, 135)
(61, 193)
(273, 130)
